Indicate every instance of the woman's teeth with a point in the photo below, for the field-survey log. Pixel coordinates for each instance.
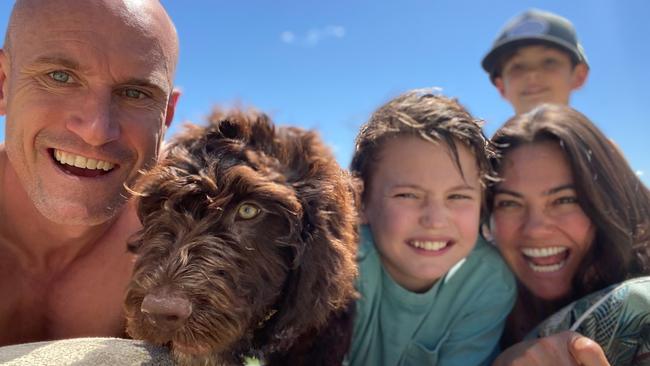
(547, 259)
(546, 268)
(81, 161)
(429, 245)
(543, 252)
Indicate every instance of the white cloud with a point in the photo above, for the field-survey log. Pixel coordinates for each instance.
(639, 172)
(335, 31)
(287, 37)
(314, 36)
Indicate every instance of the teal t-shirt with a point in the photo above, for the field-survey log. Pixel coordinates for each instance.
(457, 322)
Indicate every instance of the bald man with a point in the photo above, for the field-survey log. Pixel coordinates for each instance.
(87, 91)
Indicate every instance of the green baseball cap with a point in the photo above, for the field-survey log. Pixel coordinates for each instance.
(534, 27)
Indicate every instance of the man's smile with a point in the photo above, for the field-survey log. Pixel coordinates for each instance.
(81, 165)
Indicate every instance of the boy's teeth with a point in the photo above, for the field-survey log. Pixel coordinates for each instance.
(542, 252)
(81, 161)
(546, 268)
(429, 245)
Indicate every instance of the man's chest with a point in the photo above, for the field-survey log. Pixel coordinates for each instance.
(86, 301)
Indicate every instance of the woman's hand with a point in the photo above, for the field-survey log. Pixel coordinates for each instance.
(566, 348)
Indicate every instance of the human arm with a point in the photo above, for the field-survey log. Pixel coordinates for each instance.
(566, 348)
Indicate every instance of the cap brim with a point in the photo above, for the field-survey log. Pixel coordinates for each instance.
(490, 60)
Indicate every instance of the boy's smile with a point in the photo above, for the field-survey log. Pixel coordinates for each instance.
(423, 215)
(429, 246)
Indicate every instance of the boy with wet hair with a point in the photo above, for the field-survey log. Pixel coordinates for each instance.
(535, 59)
(432, 292)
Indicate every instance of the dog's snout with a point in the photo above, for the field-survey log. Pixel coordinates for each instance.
(168, 312)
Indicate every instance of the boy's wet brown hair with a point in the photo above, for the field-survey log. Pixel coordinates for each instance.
(430, 116)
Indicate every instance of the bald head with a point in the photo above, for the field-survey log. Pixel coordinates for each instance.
(147, 17)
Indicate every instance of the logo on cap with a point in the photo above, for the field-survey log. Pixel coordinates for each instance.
(528, 27)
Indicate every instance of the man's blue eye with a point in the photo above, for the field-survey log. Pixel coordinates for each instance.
(60, 76)
(134, 93)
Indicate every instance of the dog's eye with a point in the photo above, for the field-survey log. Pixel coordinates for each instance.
(247, 211)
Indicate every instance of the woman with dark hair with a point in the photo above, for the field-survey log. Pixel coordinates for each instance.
(570, 218)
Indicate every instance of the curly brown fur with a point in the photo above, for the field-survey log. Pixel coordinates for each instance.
(278, 286)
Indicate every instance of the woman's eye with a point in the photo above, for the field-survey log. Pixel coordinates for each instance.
(505, 204)
(61, 76)
(566, 200)
(248, 211)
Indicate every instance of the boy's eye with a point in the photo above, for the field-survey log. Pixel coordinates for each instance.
(61, 77)
(247, 211)
(405, 195)
(551, 63)
(516, 69)
(460, 197)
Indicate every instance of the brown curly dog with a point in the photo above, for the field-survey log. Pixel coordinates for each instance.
(248, 247)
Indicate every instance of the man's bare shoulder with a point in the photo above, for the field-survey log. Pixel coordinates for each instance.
(84, 299)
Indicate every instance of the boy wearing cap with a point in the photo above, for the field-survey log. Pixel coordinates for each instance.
(536, 59)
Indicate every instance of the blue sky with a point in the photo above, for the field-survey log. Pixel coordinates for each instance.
(328, 64)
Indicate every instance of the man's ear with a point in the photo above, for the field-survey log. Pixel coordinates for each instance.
(4, 69)
(500, 85)
(580, 73)
(171, 106)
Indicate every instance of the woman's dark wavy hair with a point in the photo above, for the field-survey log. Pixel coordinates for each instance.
(608, 190)
(430, 116)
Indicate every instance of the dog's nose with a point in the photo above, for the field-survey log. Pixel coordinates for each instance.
(168, 312)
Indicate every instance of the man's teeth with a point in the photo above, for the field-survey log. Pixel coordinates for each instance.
(543, 252)
(429, 245)
(546, 268)
(81, 161)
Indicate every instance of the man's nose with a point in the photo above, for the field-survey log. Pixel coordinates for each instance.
(95, 121)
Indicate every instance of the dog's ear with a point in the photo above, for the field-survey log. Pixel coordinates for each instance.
(322, 279)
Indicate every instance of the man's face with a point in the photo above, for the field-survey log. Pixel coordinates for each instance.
(539, 74)
(87, 99)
